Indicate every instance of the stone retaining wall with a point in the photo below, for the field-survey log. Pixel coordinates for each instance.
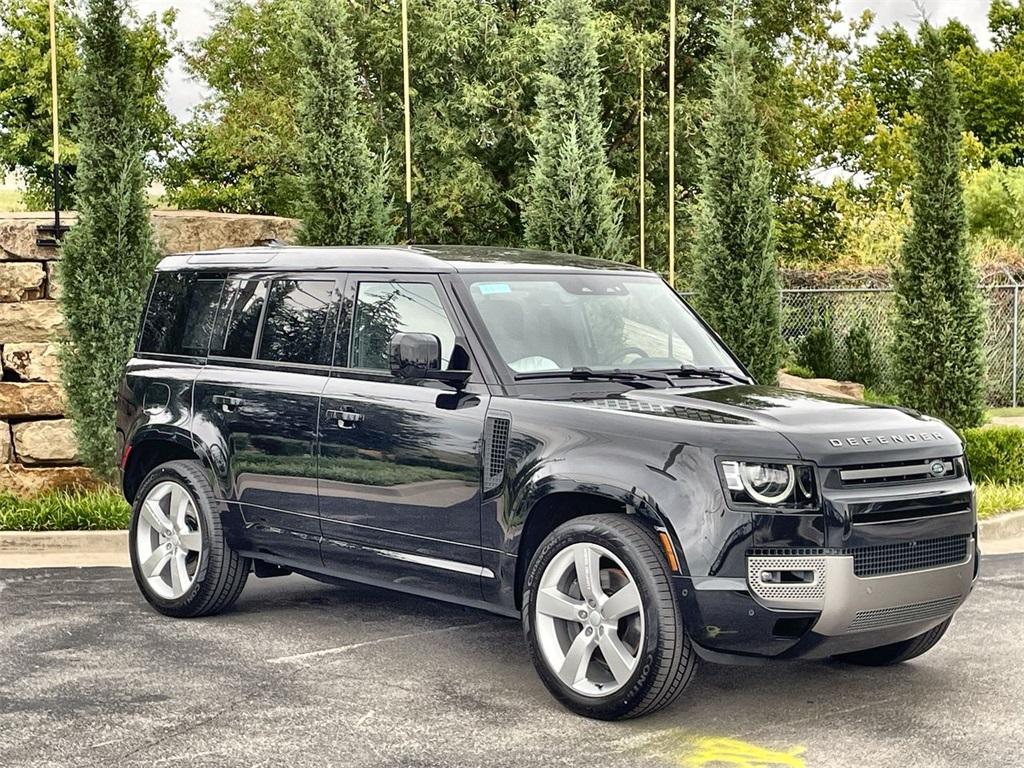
(37, 444)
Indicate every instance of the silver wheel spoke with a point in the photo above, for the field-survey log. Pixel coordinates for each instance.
(180, 504)
(192, 541)
(623, 603)
(620, 660)
(179, 574)
(588, 573)
(155, 562)
(155, 516)
(574, 668)
(552, 602)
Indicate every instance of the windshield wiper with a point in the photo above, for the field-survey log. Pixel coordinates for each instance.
(705, 372)
(583, 373)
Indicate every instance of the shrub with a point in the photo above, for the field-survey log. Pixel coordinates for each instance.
(795, 369)
(109, 253)
(996, 454)
(735, 277)
(817, 351)
(994, 198)
(346, 200)
(861, 362)
(65, 510)
(570, 202)
(938, 359)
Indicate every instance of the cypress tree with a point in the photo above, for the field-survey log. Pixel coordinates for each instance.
(109, 254)
(736, 283)
(570, 204)
(346, 201)
(938, 357)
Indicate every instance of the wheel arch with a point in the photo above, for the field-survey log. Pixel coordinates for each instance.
(561, 500)
(150, 449)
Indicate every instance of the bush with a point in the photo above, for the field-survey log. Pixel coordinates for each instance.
(861, 362)
(817, 351)
(996, 454)
(995, 203)
(65, 510)
(795, 369)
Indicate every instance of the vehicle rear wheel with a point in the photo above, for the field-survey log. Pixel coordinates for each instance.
(180, 558)
(604, 629)
(897, 653)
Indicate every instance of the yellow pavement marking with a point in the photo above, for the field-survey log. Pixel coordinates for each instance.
(722, 753)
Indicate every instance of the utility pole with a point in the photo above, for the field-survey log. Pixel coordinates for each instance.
(408, 121)
(643, 250)
(672, 143)
(53, 232)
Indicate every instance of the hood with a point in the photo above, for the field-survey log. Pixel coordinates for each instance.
(830, 431)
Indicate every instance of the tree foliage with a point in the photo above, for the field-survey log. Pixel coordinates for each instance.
(109, 253)
(735, 277)
(937, 347)
(570, 204)
(25, 111)
(346, 198)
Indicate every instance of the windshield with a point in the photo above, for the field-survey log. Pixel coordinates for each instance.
(563, 321)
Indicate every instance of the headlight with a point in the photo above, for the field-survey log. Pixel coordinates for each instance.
(770, 484)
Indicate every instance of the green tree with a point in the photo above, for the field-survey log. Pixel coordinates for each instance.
(346, 199)
(937, 348)
(735, 277)
(109, 253)
(25, 113)
(570, 203)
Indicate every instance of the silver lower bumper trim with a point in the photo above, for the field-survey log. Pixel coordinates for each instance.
(849, 603)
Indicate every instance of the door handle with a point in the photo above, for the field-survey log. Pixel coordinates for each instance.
(227, 403)
(344, 419)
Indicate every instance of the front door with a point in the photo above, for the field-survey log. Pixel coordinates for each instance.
(259, 397)
(400, 472)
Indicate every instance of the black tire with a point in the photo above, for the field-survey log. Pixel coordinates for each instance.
(221, 572)
(896, 653)
(667, 660)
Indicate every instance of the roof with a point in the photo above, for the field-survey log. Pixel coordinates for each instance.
(415, 258)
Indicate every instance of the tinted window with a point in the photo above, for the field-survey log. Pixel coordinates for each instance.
(238, 318)
(298, 328)
(384, 309)
(180, 314)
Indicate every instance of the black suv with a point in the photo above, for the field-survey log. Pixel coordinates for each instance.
(535, 435)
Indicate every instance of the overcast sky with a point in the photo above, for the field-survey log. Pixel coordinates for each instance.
(193, 20)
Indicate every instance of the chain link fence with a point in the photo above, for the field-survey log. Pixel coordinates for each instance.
(840, 309)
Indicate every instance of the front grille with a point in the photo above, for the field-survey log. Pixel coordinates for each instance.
(909, 555)
(901, 472)
(903, 614)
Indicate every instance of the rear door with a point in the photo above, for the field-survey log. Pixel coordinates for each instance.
(400, 470)
(257, 402)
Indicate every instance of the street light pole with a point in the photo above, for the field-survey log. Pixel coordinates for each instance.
(643, 249)
(672, 143)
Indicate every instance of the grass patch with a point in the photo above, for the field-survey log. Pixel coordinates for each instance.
(10, 199)
(100, 509)
(995, 498)
(992, 412)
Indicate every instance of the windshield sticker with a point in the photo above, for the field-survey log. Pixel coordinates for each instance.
(489, 288)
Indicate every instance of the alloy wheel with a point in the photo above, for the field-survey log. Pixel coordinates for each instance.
(168, 540)
(589, 619)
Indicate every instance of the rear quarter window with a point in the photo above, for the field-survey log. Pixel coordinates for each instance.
(180, 314)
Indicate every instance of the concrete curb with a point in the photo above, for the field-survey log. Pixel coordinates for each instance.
(1006, 526)
(63, 549)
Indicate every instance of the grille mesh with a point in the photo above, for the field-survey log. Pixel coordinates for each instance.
(903, 614)
(895, 473)
(497, 451)
(909, 555)
(814, 590)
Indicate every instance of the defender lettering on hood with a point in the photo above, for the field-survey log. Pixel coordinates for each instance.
(895, 440)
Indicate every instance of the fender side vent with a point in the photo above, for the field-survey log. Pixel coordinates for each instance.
(498, 428)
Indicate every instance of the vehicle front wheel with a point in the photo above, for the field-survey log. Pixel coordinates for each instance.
(896, 653)
(180, 558)
(604, 629)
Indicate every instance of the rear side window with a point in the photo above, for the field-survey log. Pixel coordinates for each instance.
(238, 318)
(180, 314)
(299, 327)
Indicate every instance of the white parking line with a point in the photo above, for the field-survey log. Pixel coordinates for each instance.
(354, 646)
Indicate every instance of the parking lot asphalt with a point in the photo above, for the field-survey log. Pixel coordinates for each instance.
(306, 674)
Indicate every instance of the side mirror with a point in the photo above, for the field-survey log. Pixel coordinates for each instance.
(418, 356)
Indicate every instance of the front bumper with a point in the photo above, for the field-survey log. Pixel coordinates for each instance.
(857, 612)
